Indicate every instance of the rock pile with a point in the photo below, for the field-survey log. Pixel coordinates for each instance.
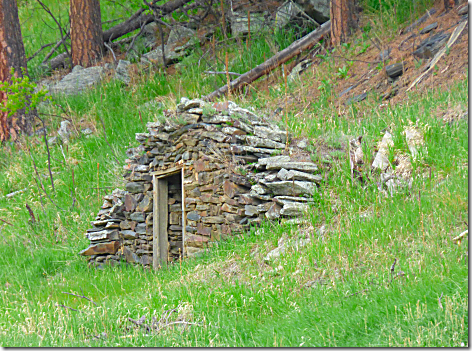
(225, 169)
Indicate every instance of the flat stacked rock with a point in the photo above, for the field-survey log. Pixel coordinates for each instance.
(238, 169)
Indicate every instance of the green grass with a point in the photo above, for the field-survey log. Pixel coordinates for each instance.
(336, 291)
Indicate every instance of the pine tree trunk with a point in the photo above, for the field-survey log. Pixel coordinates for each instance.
(86, 32)
(12, 55)
(343, 18)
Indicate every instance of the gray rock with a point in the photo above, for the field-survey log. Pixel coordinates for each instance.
(302, 144)
(273, 212)
(296, 175)
(239, 23)
(316, 9)
(429, 28)
(429, 47)
(299, 166)
(250, 210)
(137, 216)
(186, 104)
(149, 34)
(294, 188)
(258, 189)
(280, 249)
(284, 199)
(270, 177)
(78, 80)
(260, 142)
(273, 133)
(193, 216)
(135, 187)
(288, 13)
(291, 209)
(121, 72)
(128, 234)
(273, 160)
(86, 131)
(65, 131)
(179, 33)
(101, 235)
(140, 228)
(156, 56)
(53, 140)
(356, 98)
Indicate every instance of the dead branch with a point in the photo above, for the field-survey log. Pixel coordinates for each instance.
(31, 213)
(38, 51)
(14, 193)
(460, 236)
(81, 296)
(58, 25)
(53, 50)
(4, 221)
(67, 307)
(218, 72)
(275, 61)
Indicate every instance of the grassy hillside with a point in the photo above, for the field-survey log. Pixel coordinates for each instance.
(338, 290)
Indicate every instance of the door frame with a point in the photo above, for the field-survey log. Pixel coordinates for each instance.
(161, 213)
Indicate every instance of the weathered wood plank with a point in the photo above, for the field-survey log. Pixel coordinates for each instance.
(184, 216)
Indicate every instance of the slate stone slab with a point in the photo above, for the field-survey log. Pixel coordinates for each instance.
(429, 47)
(429, 28)
(78, 80)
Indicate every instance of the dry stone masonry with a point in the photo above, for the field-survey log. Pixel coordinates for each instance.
(203, 173)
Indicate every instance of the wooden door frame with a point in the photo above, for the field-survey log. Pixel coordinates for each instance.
(159, 222)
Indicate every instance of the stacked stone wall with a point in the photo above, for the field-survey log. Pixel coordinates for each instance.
(238, 169)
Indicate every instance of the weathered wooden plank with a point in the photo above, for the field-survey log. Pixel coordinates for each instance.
(166, 172)
(155, 225)
(162, 189)
(184, 216)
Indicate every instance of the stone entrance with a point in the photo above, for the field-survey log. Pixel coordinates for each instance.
(168, 217)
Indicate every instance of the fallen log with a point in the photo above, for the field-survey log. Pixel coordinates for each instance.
(281, 57)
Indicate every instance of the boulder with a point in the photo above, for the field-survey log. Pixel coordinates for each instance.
(78, 80)
(239, 23)
(179, 33)
(316, 9)
(121, 72)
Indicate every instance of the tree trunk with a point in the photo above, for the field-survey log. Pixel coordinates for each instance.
(86, 32)
(12, 55)
(343, 18)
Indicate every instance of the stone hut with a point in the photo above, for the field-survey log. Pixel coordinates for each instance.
(206, 171)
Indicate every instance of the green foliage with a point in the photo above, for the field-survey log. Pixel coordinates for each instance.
(343, 72)
(21, 94)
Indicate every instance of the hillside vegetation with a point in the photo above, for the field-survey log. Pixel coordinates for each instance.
(381, 269)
